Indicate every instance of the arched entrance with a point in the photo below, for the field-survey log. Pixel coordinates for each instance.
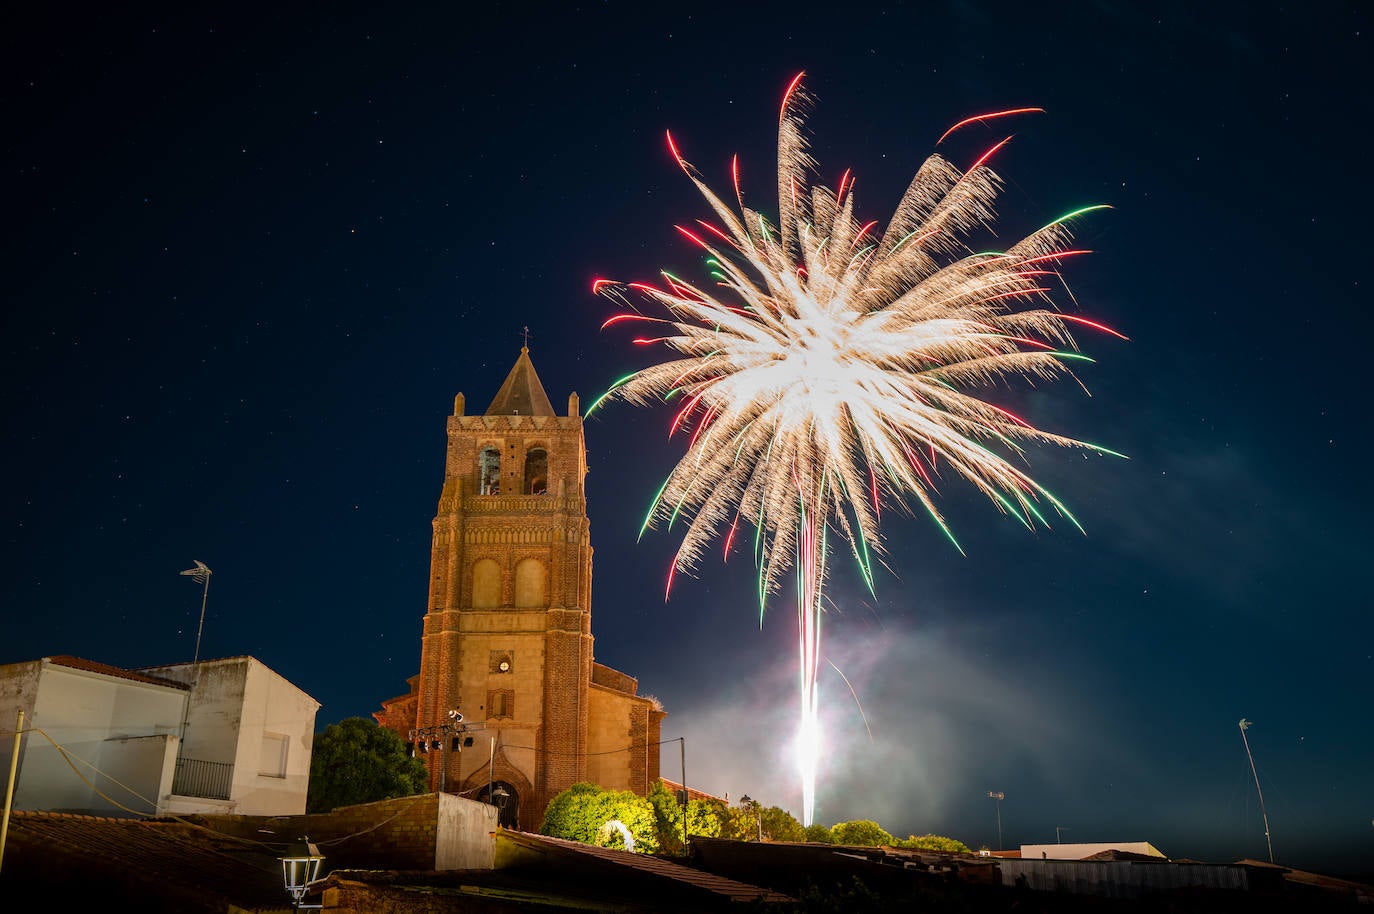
(507, 801)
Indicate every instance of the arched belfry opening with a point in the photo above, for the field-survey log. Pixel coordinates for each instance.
(489, 470)
(536, 471)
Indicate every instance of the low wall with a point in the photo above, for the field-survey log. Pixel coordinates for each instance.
(429, 831)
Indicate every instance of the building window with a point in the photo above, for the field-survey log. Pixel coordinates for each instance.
(486, 583)
(272, 755)
(502, 662)
(489, 471)
(500, 703)
(530, 583)
(536, 471)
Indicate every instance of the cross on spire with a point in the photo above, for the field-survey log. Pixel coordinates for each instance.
(526, 332)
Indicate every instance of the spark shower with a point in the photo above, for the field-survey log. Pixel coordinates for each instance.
(826, 372)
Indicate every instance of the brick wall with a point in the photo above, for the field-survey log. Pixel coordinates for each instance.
(401, 834)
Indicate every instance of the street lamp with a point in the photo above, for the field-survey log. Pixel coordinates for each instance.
(299, 868)
(999, 796)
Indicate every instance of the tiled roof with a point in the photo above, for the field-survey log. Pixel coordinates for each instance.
(692, 792)
(142, 857)
(648, 865)
(90, 666)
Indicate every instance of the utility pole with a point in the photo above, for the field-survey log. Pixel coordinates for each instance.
(682, 741)
(999, 796)
(9, 785)
(1057, 830)
(1246, 725)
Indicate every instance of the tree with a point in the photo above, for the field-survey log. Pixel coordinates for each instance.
(667, 818)
(584, 812)
(817, 833)
(934, 843)
(356, 761)
(781, 825)
(860, 833)
(751, 821)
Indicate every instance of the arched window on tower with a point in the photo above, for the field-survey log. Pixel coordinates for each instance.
(486, 584)
(536, 471)
(530, 583)
(489, 471)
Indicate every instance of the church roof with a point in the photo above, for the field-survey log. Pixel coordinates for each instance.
(521, 394)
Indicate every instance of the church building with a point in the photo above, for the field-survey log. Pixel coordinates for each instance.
(509, 698)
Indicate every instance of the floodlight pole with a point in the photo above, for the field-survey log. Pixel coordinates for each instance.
(1245, 725)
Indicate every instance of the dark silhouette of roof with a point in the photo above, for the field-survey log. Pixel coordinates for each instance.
(163, 864)
(521, 394)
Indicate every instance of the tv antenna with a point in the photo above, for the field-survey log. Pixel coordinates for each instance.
(1246, 725)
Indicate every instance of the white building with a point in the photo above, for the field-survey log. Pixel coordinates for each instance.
(1084, 851)
(248, 735)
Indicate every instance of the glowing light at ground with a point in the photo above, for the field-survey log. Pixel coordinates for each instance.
(828, 371)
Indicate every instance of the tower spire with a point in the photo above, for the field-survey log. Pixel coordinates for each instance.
(521, 394)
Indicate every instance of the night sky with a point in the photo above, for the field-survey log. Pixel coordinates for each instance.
(251, 259)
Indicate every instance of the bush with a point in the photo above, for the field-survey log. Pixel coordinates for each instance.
(860, 832)
(934, 843)
(817, 833)
(584, 812)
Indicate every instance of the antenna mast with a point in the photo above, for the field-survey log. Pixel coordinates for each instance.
(1245, 725)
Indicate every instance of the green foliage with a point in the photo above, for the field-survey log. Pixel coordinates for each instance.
(781, 825)
(707, 818)
(583, 811)
(750, 820)
(667, 818)
(859, 833)
(934, 843)
(817, 833)
(356, 761)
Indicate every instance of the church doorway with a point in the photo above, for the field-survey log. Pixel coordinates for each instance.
(507, 801)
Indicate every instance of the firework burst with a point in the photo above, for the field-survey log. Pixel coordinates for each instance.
(826, 372)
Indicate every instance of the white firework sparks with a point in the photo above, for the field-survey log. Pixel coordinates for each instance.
(827, 372)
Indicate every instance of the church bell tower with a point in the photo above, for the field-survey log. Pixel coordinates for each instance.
(507, 636)
(507, 640)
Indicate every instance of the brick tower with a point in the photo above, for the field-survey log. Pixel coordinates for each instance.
(507, 636)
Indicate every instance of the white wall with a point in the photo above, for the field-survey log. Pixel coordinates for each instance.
(236, 705)
(123, 728)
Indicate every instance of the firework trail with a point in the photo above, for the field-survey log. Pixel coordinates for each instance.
(825, 373)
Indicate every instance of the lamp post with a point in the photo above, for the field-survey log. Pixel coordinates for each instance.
(999, 796)
(299, 867)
